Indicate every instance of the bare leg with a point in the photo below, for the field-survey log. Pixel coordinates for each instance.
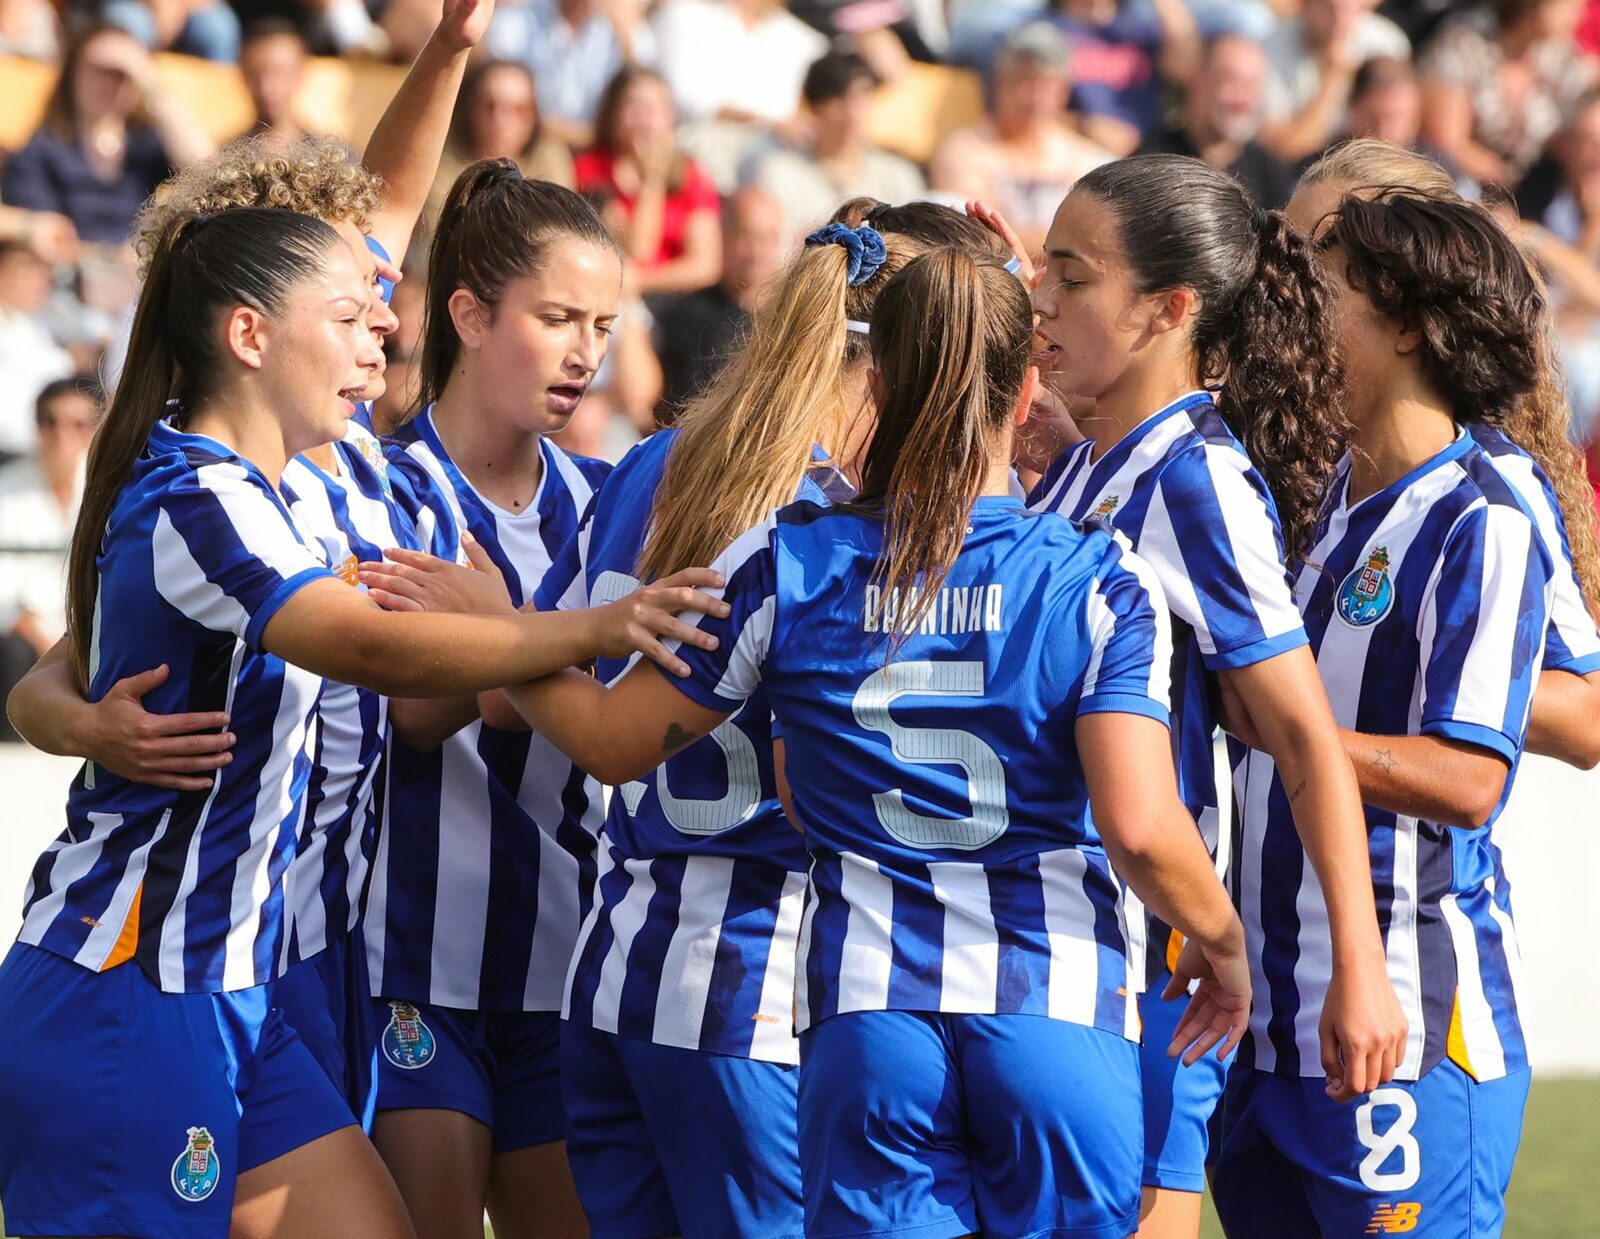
(531, 1195)
(440, 1162)
(336, 1185)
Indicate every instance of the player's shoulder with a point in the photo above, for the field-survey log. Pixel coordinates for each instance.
(582, 475)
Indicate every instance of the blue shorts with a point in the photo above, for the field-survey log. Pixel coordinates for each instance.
(1179, 1101)
(1432, 1156)
(326, 1000)
(944, 1125)
(666, 1141)
(502, 1068)
(128, 1111)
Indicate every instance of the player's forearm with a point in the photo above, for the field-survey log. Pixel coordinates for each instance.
(47, 709)
(1167, 866)
(1325, 801)
(1427, 777)
(423, 723)
(578, 715)
(1565, 722)
(405, 148)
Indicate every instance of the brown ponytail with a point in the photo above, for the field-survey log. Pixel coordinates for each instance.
(494, 227)
(1258, 329)
(744, 444)
(202, 266)
(952, 339)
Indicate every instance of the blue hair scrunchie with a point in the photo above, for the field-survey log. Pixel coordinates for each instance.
(864, 245)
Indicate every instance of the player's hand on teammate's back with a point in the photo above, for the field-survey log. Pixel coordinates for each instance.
(1219, 1010)
(409, 580)
(176, 751)
(637, 623)
(1363, 1032)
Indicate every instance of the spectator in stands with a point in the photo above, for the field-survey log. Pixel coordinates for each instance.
(272, 61)
(108, 139)
(1122, 53)
(496, 117)
(30, 28)
(1386, 103)
(884, 33)
(1314, 60)
(573, 48)
(665, 203)
(840, 160)
(1494, 94)
(47, 234)
(735, 68)
(1222, 115)
(205, 28)
(705, 328)
(39, 496)
(1023, 157)
(30, 358)
(1562, 190)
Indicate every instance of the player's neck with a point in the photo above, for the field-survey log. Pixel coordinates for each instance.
(1400, 433)
(501, 459)
(245, 426)
(1135, 395)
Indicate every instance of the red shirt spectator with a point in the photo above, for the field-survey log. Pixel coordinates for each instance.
(597, 172)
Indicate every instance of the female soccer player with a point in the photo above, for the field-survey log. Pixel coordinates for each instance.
(978, 676)
(1533, 453)
(487, 861)
(254, 322)
(682, 982)
(1162, 278)
(1426, 597)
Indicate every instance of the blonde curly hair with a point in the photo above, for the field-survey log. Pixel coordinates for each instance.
(315, 176)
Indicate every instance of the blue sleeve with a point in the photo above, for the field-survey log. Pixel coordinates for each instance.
(1130, 641)
(1481, 628)
(1212, 536)
(595, 472)
(418, 499)
(226, 552)
(376, 246)
(726, 677)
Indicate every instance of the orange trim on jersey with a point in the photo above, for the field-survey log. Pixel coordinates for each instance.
(128, 939)
(1455, 1045)
(1175, 942)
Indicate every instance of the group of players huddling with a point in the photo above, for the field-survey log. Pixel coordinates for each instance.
(904, 915)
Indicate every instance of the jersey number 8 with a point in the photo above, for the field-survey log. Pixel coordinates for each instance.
(1397, 1139)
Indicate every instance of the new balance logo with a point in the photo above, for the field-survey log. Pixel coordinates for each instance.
(1394, 1219)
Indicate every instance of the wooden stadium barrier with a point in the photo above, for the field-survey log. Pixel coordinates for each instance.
(910, 116)
(340, 97)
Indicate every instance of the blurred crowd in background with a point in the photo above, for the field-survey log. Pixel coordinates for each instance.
(713, 134)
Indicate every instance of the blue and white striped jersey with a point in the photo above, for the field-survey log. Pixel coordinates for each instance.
(976, 882)
(356, 513)
(1426, 605)
(199, 554)
(1572, 642)
(691, 937)
(492, 823)
(1180, 488)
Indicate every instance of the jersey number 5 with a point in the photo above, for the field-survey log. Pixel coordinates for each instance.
(686, 814)
(986, 774)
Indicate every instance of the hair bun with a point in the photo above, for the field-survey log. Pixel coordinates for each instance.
(864, 245)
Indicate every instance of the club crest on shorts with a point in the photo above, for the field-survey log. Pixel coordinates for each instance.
(1366, 594)
(407, 1041)
(195, 1173)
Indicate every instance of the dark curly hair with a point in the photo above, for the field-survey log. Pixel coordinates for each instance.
(1258, 331)
(1448, 271)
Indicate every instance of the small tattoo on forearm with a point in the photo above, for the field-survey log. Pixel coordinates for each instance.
(1384, 760)
(1295, 795)
(675, 738)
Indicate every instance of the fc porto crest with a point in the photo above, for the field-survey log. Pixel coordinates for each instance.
(372, 453)
(1107, 508)
(407, 1041)
(195, 1173)
(1366, 595)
